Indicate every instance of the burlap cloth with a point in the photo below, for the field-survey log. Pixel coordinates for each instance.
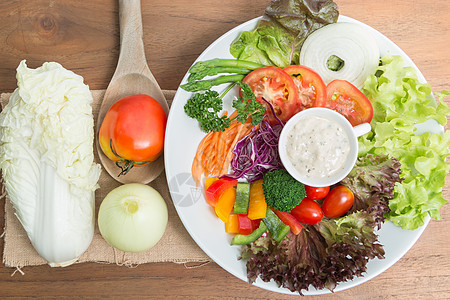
(175, 246)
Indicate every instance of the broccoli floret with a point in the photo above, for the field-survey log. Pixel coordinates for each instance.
(282, 191)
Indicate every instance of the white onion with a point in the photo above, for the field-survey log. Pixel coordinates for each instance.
(350, 42)
(133, 217)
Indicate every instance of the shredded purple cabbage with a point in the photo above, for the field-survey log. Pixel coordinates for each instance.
(257, 153)
(273, 111)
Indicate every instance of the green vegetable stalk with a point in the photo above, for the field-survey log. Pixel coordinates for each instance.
(242, 239)
(202, 85)
(201, 69)
(242, 198)
(276, 227)
(216, 66)
(216, 70)
(203, 66)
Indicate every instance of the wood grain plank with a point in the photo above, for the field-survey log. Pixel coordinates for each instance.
(78, 36)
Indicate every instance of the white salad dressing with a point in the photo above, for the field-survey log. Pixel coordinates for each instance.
(317, 146)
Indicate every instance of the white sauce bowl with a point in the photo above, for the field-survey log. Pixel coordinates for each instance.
(351, 132)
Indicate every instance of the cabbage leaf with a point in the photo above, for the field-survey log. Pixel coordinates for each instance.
(47, 160)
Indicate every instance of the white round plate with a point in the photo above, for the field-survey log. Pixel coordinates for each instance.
(183, 135)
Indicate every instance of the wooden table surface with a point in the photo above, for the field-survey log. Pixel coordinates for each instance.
(84, 37)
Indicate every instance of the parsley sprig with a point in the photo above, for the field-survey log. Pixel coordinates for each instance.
(247, 106)
(205, 107)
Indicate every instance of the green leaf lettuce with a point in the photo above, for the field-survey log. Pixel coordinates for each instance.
(400, 102)
(282, 30)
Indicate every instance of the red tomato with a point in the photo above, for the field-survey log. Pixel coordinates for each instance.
(316, 193)
(311, 89)
(348, 100)
(338, 201)
(133, 131)
(308, 212)
(276, 87)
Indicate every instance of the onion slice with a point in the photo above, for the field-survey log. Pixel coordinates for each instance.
(341, 50)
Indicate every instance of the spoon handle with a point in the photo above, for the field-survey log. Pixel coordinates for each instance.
(132, 55)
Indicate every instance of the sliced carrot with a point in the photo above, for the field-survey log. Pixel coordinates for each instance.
(225, 163)
(197, 166)
(221, 144)
(234, 114)
(215, 152)
(243, 131)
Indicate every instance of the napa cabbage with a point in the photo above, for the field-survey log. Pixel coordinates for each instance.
(47, 160)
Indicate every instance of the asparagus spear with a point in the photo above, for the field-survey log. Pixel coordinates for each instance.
(216, 70)
(220, 62)
(200, 85)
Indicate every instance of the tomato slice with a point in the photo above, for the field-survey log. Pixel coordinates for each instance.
(348, 100)
(276, 87)
(311, 89)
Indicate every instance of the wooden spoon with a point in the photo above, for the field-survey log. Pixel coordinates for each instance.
(132, 76)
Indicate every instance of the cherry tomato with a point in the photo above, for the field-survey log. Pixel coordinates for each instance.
(132, 131)
(338, 201)
(276, 87)
(348, 100)
(316, 193)
(311, 89)
(308, 212)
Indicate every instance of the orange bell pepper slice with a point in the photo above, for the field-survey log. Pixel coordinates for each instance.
(232, 225)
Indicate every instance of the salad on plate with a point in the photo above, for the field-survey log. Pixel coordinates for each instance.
(299, 237)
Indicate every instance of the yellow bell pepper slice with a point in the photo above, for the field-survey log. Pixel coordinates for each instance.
(225, 204)
(257, 207)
